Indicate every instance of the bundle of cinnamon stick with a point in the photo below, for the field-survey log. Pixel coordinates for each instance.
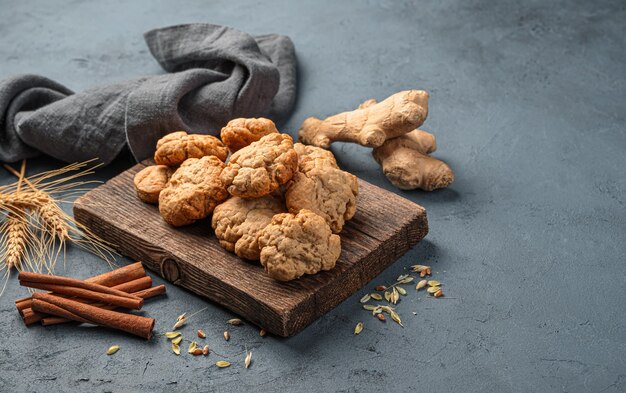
(92, 300)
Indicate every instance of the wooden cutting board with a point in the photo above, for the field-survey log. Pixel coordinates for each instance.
(384, 227)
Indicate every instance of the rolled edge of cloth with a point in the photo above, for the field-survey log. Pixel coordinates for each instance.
(20, 95)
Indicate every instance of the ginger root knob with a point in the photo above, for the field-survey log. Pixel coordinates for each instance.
(407, 165)
(371, 124)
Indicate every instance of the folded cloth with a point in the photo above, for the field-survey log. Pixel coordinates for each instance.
(216, 73)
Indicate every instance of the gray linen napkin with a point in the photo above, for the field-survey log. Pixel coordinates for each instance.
(216, 73)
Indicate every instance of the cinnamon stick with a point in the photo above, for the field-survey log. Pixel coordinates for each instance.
(109, 279)
(119, 276)
(52, 320)
(151, 292)
(127, 301)
(135, 285)
(139, 284)
(23, 303)
(56, 310)
(29, 316)
(145, 294)
(38, 278)
(70, 309)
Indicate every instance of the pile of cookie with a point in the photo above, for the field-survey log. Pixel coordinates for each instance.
(274, 201)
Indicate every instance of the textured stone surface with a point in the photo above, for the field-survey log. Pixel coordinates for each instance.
(527, 103)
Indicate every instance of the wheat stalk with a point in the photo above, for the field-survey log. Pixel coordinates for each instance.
(49, 228)
(16, 230)
(17, 240)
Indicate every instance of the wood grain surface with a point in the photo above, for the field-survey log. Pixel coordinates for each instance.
(384, 227)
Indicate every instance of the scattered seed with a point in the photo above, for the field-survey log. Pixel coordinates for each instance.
(175, 349)
(201, 333)
(402, 277)
(386, 309)
(182, 319)
(419, 268)
(171, 335)
(177, 340)
(234, 322)
(392, 295)
(262, 332)
(376, 296)
(396, 318)
(205, 350)
(395, 296)
(180, 322)
(226, 335)
(248, 359)
(222, 363)
(432, 290)
(192, 347)
(197, 352)
(112, 349)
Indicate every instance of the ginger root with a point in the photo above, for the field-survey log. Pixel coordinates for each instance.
(371, 124)
(407, 165)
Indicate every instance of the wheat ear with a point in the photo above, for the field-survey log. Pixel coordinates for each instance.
(15, 229)
(51, 219)
(18, 242)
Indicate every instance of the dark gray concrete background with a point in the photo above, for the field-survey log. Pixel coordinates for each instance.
(528, 103)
